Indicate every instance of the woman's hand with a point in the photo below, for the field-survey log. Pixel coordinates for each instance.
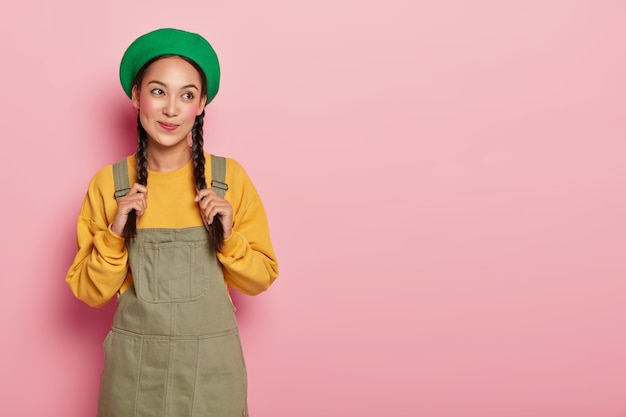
(136, 199)
(211, 205)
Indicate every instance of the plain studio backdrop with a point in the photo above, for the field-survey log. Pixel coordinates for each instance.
(444, 182)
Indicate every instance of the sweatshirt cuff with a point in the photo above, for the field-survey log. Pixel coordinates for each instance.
(234, 246)
(114, 241)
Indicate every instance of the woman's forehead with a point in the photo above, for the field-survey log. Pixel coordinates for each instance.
(173, 71)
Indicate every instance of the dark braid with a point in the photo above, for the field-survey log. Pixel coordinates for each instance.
(216, 229)
(130, 228)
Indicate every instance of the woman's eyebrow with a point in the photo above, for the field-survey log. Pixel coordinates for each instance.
(157, 82)
(165, 85)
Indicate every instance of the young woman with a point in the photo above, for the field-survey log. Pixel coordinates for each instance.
(168, 240)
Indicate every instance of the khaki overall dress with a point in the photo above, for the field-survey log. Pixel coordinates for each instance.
(173, 349)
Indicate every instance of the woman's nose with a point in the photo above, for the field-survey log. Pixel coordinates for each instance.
(171, 108)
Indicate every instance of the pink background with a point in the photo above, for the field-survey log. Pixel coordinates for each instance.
(444, 182)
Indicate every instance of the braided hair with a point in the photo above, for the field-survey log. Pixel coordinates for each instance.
(216, 230)
(130, 228)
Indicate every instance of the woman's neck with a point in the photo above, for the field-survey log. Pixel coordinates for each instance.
(166, 160)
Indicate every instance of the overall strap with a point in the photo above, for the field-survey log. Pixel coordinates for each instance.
(218, 175)
(120, 176)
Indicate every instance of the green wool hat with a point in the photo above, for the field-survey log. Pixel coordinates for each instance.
(170, 41)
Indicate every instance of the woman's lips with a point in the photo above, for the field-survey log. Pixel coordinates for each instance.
(168, 126)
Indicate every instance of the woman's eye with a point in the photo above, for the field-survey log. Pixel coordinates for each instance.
(157, 91)
(188, 96)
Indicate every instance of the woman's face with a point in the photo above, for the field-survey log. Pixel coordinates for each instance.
(169, 99)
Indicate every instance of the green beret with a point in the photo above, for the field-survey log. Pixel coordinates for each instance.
(169, 41)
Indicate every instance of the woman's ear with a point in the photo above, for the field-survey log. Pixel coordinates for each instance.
(202, 105)
(135, 96)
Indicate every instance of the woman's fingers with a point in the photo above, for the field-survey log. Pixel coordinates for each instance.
(139, 205)
(201, 194)
(136, 199)
(211, 205)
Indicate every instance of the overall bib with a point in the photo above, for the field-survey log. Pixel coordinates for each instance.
(173, 349)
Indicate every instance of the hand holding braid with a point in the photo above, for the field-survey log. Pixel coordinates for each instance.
(130, 206)
(217, 213)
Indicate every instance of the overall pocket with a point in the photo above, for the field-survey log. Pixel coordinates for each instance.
(171, 271)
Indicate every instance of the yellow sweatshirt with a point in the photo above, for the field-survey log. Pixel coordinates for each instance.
(100, 269)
